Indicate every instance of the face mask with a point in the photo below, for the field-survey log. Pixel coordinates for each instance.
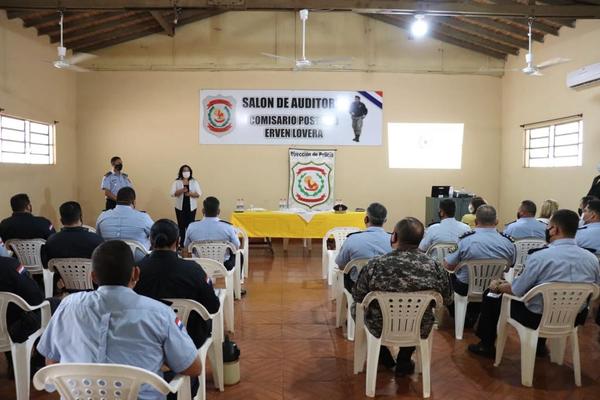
(118, 167)
(471, 210)
(548, 236)
(518, 216)
(186, 174)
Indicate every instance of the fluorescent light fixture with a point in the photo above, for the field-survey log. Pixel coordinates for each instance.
(419, 27)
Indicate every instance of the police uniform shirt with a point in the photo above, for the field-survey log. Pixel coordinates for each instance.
(372, 242)
(125, 222)
(164, 275)
(526, 228)
(561, 261)
(115, 182)
(115, 325)
(75, 242)
(481, 244)
(24, 225)
(588, 237)
(447, 230)
(3, 251)
(211, 228)
(15, 279)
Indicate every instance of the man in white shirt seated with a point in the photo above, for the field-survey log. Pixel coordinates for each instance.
(447, 230)
(588, 236)
(117, 326)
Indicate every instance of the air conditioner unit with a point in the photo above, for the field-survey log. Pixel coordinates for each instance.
(584, 76)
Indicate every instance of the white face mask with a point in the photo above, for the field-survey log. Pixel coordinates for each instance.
(186, 174)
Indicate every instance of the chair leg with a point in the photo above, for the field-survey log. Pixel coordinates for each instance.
(373, 347)
(21, 357)
(425, 356)
(229, 313)
(340, 308)
(528, 340)
(325, 262)
(48, 277)
(500, 341)
(460, 312)
(360, 349)
(237, 284)
(215, 356)
(185, 390)
(576, 357)
(331, 269)
(557, 350)
(350, 325)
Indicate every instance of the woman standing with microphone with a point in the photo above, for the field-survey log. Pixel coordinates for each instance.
(186, 191)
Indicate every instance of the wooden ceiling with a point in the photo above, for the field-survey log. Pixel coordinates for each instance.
(496, 28)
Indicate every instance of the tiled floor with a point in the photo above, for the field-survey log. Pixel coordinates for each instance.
(291, 349)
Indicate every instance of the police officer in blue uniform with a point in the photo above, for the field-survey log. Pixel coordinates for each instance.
(447, 230)
(561, 261)
(212, 228)
(588, 236)
(484, 242)
(372, 242)
(115, 325)
(23, 224)
(526, 226)
(124, 221)
(113, 181)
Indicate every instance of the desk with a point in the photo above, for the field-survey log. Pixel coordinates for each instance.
(273, 224)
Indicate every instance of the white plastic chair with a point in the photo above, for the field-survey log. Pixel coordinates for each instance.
(136, 248)
(328, 256)
(76, 273)
(244, 249)
(105, 381)
(89, 228)
(213, 346)
(481, 273)
(402, 314)
(344, 299)
(562, 303)
(523, 246)
(21, 352)
(28, 251)
(438, 251)
(215, 270)
(218, 250)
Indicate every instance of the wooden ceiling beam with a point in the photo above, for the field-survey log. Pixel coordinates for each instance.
(142, 24)
(117, 39)
(506, 9)
(167, 26)
(487, 34)
(103, 27)
(436, 34)
(90, 20)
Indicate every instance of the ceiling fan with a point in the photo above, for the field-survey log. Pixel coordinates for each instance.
(69, 63)
(305, 62)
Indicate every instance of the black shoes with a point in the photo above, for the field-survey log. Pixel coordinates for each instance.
(482, 350)
(405, 369)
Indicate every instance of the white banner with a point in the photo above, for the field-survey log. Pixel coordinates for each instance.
(291, 117)
(312, 176)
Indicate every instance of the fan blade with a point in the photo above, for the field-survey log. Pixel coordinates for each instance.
(498, 69)
(278, 57)
(80, 57)
(537, 73)
(321, 61)
(552, 62)
(75, 68)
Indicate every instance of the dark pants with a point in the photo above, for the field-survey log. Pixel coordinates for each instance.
(404, 355)
(490, 313)
(184, 218)
(110, 204)
(230, 264)
(472, 308)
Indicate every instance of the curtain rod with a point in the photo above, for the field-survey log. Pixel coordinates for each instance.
(552, 120)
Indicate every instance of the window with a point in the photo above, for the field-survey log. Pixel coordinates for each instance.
(554, 145)
(425, 146)
(26, 142)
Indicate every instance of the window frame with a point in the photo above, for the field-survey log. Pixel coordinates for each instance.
(31, 149)
(552, 156)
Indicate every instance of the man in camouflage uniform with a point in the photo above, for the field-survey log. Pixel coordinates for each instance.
(405, 269)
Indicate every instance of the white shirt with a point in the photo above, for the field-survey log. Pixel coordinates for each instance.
(194, 187)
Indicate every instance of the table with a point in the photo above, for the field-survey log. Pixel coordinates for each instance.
(275, 224)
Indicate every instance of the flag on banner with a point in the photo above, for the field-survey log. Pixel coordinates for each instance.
(311, 184)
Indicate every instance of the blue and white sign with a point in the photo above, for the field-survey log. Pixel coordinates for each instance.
(288, 117)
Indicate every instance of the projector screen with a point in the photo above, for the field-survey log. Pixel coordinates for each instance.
(425, 146)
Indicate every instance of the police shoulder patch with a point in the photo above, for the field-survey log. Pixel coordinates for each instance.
(531, 251)
(511, 222)
(468, 233)
(125, 175)
(225, 222)
(354, 233)
(106, 175)
(583, 227)
(507, 236)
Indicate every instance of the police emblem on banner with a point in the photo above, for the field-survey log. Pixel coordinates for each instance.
(219, 114)
(311, 185)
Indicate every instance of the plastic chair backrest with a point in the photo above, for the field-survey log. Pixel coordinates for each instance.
(98, 381)
(244, 235)
(28, 251)
(402, 314)
(562, 303)
(184, 307)
(357, 263)
(340, 234)
(135, 246)
(213, 249)
(212, 268)
(523, 246)
(76, 273)
(481, 273)
(440, 250)
(5, 299)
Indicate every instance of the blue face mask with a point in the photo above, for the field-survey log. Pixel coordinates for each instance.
(548, 236)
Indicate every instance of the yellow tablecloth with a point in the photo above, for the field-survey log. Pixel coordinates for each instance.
(286, 225)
